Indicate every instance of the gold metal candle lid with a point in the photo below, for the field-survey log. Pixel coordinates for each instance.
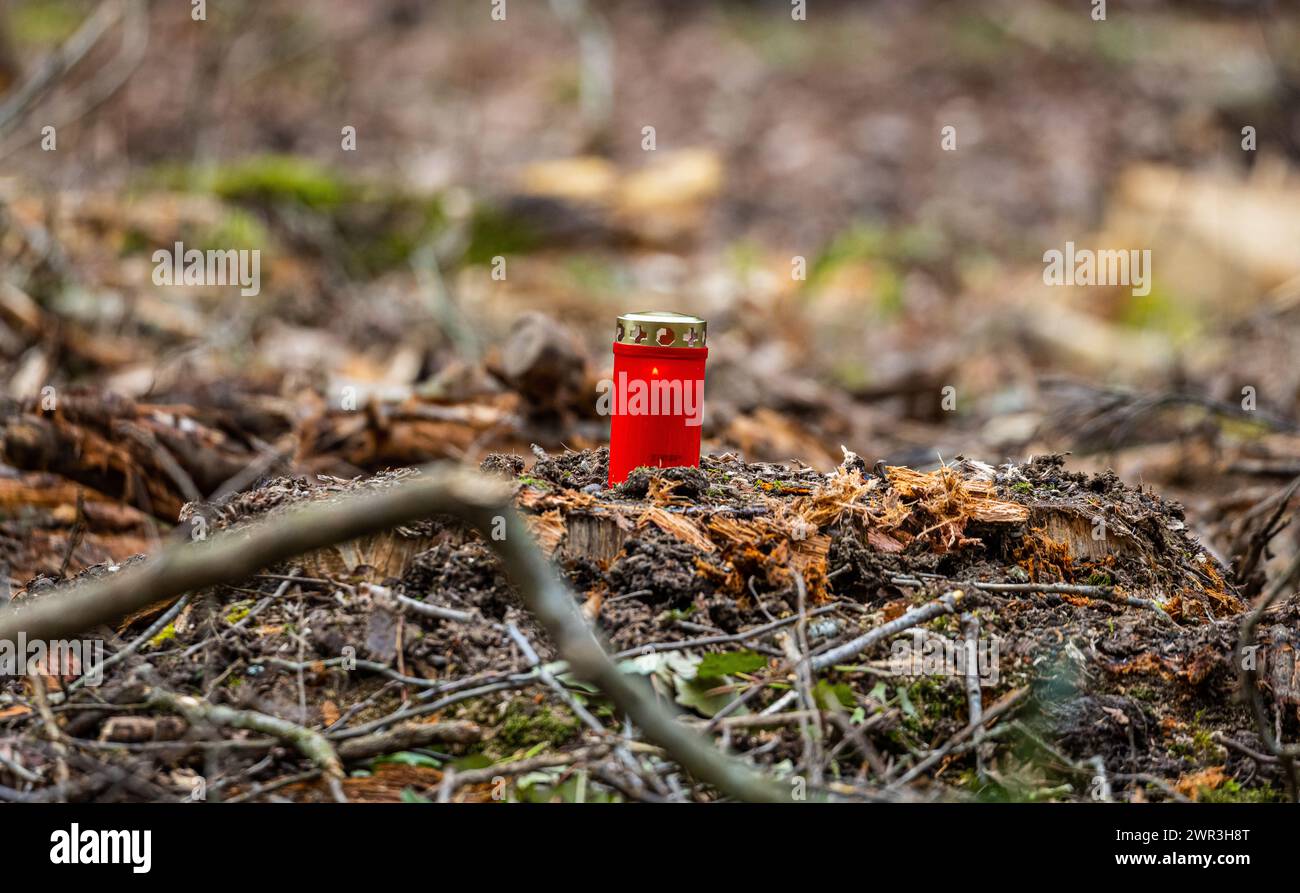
(661, 328)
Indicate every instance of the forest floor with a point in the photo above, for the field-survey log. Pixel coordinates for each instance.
(1085, 650)
(1143, 450)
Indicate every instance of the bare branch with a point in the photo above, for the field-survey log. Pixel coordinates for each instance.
(944, 604)
(55, 65)
(196, 711)
(478, 501)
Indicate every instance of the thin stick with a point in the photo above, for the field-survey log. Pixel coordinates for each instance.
(796, 653)
(196, 711)
(154, 629)
(1011, 699)
(526, 649)
(971, 632)
(407, 736)
(944, 604)
(259, 790)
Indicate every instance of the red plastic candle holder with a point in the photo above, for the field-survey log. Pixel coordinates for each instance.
(657, 399)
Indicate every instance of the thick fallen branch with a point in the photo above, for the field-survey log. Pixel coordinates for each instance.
(197, 711)
(482, 503)
(406, 736)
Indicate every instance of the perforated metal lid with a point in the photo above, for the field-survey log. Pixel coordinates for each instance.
(661, 328)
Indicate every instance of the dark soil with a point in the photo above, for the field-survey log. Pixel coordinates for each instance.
(1148, 692)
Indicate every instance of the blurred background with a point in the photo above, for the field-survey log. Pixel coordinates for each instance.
(452, 208)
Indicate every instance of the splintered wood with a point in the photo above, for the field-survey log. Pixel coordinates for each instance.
(931, 506)
(548, 528)
(780, 527)
(946, 494)
(677, 525)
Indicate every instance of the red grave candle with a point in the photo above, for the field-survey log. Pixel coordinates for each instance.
(657, 398)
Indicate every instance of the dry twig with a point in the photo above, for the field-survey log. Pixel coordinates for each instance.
(438, 490)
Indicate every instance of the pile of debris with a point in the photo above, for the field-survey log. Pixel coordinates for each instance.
(1019, 632)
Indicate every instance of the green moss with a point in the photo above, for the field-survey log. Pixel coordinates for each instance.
(527, 724)
(819, 40)
(1201, 749)
(45, 22)
(978, 40)
(378, 226)
(919, 244)
(167, 634)
(1122, 42)
(859, 243)
(1203, 741)
(493, 232)
(1161, 312)
(886, 247)
(238, 612)
(744, 257)
(886, 252)
(928, 700)
(134, 242)
(592, 274)
(260, 179)
(237, 229)
(275, 179)
(1023, 487)
(383, 230)
(1232, 792)
(1243, 429)
(852, 373)
(777, 44)
(889, 293)
(565, 85)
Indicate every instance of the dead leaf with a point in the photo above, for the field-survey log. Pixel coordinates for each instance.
(1207, 779)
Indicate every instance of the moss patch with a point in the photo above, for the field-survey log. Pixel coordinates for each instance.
(526, 725)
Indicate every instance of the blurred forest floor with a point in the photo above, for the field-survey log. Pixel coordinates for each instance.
(921, 333)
